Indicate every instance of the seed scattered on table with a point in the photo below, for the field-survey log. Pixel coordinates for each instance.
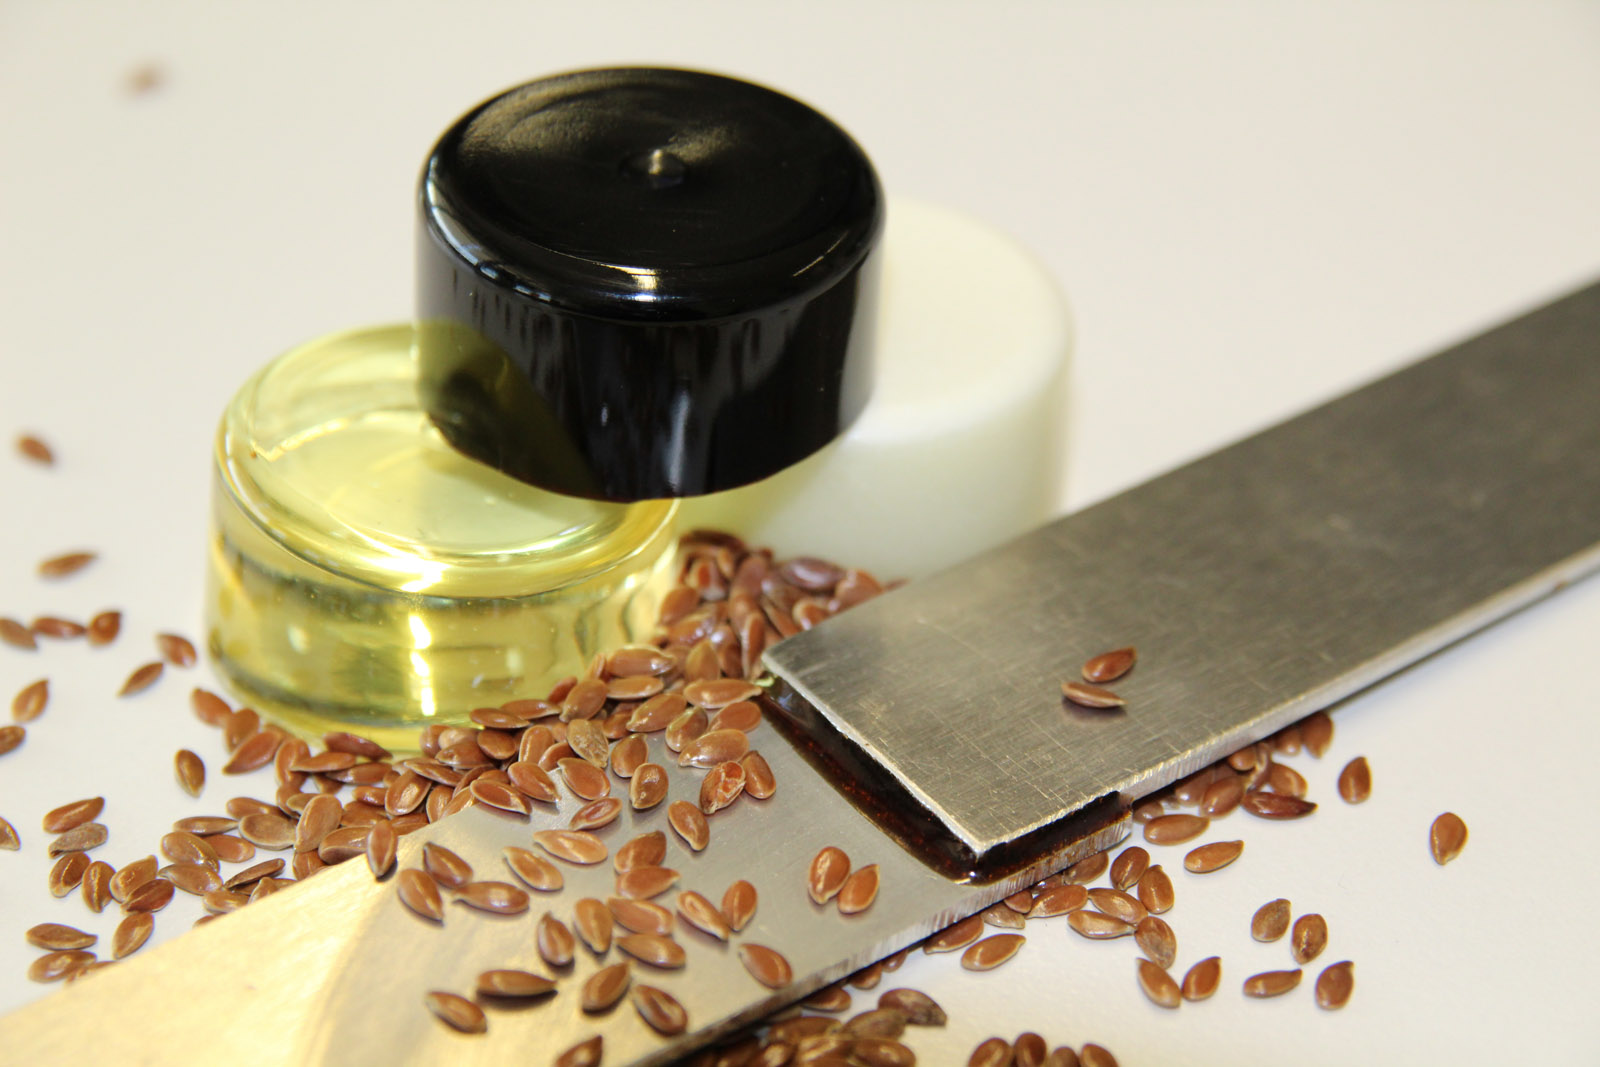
(1271, 920)
(739, 904)
(1129, 866)
(1335, 984)
(58, 937)
(420, 893)
(1158, 985)
(1271, 983)
(66, 564)
(31, 701)
(1175, 829)
(1355, 781)
(141, 679)
(34, 448)
(659, 1009)
(1308, 938)
(860, 889)
(11, 737)
(131, 934)
(1156, 940)
(1213, 856)
(991, 952)
(1447, 837)
(1202, 979)
(766, 965)
(605, 987)
(73, 814)
(829, 869)
(513, 984)
(1276, 805)
(176, 650)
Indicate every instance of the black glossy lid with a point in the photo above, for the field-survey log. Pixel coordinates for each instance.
(645, 282)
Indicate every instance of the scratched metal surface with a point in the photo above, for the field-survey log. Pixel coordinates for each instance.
(335, 970)
(1259, 583)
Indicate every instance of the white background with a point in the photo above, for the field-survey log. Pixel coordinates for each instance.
(1252, 206)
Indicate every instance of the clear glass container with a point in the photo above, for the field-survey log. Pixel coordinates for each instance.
(363, 575)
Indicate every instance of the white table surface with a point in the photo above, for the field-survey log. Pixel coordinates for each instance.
(1252, 206)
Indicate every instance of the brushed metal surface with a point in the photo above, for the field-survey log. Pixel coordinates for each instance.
(335, 970)
(1259, 584)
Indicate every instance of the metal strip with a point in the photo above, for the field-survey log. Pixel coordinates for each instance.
(1259, 583)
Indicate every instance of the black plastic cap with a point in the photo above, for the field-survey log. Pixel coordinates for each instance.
(645, 282)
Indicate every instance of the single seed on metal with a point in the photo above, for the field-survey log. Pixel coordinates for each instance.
(420, 893)
(685, 728)
(1447, 837)
(1335, 984)
(500, 796)
(1090, 696)
(1098, 926)
(642, 883)
(714, 747)
(1308, 938)
(659, 1009)
(30, 701)
(1271, 983)
(640, 916)
(700, 913)
(991, 952)
(141, 679)
(605, 987)
(1156, 940)
(457, 1012)
(689, 823)
(655, 950)
(1271, 920)
(498, 898)
(1109, 666)
(859, 890)
(648, 787)
(513, 984)
(592, 921)
(1212, 857)
(585, 1053)
(1175, 829)
(829, 869)
(1158, 985)
(759, 781)
(72, 815)
(645, 850)
(555, 942)
(721, 787)
(739, 904)
(574, 846)
(628, 754)
(447, 868)
(1276, 805)
(63, 565)
(955, 936)
(532, 869)
(766, 965)
(596, 813)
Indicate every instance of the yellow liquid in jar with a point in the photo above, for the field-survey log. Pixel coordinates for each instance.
(365, 576)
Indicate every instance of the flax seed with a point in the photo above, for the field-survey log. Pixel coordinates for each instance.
(1308, 938)
(574, 846)
(1284, 779)
(1158, 985)
(1094, 1055)
(992, 1052)
(30, 701)
(1316, 731)
(918, 1008)
(829, 869)
(11, 737)
(1090, 696)
(758, 778)
(58, 937)
(381, 845)
(628, 754)
(35, 449)
(1447, 837)
(1175, 829)
(1335, 984)
(1129, 865)
(513, 984)
(196, 879)
(58, 965)
(253, 752)
(141, 679)
(1088, 869)
(1098, 926)
(1355, 781)
(643, 883)
(131, 877)
(991, 952)
(190, 771)
(1118, 905)
(859, 890)
(877, 1022)
(1222, 795)
(1058, 900)
(640, 916)
(1276, 805)
(83, 838)
(1062, 1056)
(1271, 983)
(17, 635)
(648, 786)
(267, 830)
(176, 650)
(1213, 856)
(721, 787)
(714, 747)
(688, 823)
(766, 965)
(230, 849)
(457, 1012)
(593, 924)
(739, 904)
(685, 728)
(1155, 890)
(96, 885)
(532, 780)
(700, 913)
(152, 896)
(253, 874)
(131, 934)
(420, 893)
(64, 565)
(1109, 666)
(1202, 979)
(497, 898)
(645, 850)
(72, 815)
(659, 1009)
(654, 950)
(657, 713)
(603, 989)
(955, 936)
(1271, 920)
(554, 941)
(998, 915)
(1156, 940)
